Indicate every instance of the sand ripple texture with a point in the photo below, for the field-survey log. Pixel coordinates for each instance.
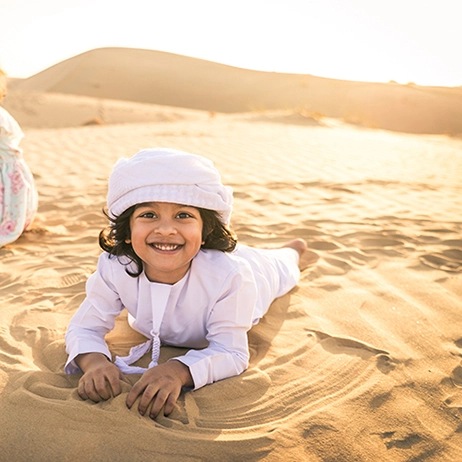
(360, 362)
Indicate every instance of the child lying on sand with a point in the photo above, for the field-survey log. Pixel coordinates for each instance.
(172, 261)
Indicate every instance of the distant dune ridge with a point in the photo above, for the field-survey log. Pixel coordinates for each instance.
(161, 78)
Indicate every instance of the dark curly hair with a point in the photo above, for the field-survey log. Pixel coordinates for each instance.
(215, 235)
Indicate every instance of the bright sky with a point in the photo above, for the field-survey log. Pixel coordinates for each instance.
(416, 41)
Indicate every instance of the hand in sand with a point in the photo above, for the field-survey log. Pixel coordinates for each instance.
(161, 386)
(100, 379)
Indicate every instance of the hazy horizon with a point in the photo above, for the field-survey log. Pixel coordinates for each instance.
(410, 41)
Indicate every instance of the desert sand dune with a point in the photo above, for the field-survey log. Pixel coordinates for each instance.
(360, 362)
(57, 110)
(155, 77)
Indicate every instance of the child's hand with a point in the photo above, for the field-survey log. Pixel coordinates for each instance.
(160, 385)
(101, 378)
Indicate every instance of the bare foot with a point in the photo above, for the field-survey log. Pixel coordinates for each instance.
(307, 257)
(297, 244)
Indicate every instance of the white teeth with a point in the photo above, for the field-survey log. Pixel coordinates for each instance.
(165, 246)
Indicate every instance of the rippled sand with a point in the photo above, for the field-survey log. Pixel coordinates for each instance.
(361, 361)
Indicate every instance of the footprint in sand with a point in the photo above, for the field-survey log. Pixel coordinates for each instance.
(401, 439)
(343, 345)
(346, 345)
(39, 334)
(453, 383)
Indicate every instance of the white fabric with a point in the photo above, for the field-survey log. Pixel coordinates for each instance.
(158, 300)
(149, 175)
(210, 310)
(18, 196)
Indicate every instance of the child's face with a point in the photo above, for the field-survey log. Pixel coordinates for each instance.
(166, 237)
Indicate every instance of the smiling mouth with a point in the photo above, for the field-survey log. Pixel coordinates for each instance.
(165, 247)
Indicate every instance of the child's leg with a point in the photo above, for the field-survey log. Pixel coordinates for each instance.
(307, 257)
(276, 271)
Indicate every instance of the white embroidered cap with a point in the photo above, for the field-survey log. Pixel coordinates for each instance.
(168, 175)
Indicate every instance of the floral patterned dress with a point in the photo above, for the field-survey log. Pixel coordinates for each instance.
(18, 196)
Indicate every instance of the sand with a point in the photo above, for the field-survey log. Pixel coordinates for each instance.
(156, 77)
(360, 362)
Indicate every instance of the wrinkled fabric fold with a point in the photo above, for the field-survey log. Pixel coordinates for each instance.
(124, 363)
(155, 295)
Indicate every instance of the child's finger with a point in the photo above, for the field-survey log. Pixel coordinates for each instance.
(88, 391)
(152, 391)
(101, 387)
(81, 390)
(171, 401)
(115, 386)
(158, 403)
(113, 383)
(133, 394)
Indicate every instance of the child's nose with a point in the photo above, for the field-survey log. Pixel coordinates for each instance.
(165, 226)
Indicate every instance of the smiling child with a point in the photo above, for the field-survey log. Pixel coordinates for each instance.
(172, 261)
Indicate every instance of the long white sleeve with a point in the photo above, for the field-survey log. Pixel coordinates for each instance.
(226, 332)
(93, 320)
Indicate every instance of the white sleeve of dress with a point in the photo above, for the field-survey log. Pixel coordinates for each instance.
(10, 132)
(227, 326)
(95, 317)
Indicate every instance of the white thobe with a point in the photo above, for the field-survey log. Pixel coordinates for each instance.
(209, 311)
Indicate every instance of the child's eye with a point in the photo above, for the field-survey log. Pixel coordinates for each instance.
(184, 215)
(148, 215)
